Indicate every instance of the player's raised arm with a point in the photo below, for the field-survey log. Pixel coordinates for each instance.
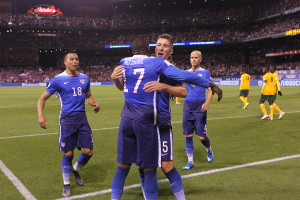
(116, 76)
(188, 77)
(40, 106)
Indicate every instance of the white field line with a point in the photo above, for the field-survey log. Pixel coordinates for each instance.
(188, 176)
(111, 128)
(21, 188)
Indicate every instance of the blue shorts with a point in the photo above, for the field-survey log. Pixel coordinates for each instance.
(75, 135)
(166, 139)
(194, 122)
(138, 143)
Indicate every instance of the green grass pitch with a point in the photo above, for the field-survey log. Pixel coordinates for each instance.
(237, 136)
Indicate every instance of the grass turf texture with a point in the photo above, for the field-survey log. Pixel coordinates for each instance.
(237, 137)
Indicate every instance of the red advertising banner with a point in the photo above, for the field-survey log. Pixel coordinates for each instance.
(44, 10)
(283, 53)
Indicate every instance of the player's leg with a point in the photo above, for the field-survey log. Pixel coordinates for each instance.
(119, 181)
(246, 93)
(188, 126)
(242, 98)
(85, 142)
(126, 155)
(148, 156)
(201, 132)
(262, 106)
(67, 143)
(281, 113)
(166, 137)
(271, 107)
(177, 100)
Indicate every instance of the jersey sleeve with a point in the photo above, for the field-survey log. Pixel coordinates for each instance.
(173, 72)
(52, 87)
(88, 86)
(265, 78)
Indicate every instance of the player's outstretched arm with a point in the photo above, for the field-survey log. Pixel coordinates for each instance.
(40, 106)
(217, 90)
(177, 91)
(91, 101)
(116, 76)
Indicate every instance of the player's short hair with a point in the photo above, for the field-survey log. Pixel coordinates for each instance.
(67, 52)
(140, 45)
(167, 37)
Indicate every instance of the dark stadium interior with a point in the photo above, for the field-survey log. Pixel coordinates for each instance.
(248, 30)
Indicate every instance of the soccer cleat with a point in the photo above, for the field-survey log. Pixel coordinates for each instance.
(246, 106)
(177, 102)
(265, 117)
(280, 115)
(188, 166)
(270, 119)
(77, 178)
(210, 156)
(66, 191)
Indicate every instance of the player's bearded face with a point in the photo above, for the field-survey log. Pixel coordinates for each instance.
(163, 48)
(72, 62)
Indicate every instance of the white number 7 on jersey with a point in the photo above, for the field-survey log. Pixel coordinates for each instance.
(139, 80)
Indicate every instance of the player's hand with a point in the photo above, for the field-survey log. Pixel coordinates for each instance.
(96, 107)
(280, 93)
(43, 121)
(153, 86)
(261, 95)
(204, 107)
(216, 89)
(118, 72)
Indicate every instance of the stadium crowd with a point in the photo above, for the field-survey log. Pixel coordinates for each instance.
(101, 73)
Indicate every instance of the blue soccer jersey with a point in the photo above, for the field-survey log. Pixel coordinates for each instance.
(163, 103)
(196, 94)
(139, 70)
(72, 96)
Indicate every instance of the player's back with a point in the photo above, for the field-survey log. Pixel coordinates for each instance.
(139, 70)
(245, 78)
(270, 88)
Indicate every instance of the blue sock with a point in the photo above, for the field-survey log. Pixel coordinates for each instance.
(118, 182)
(176, 184)
(81, 161)
(206, 143)
(66, 165)
(142, 177)
(189, 147)
(150, 185)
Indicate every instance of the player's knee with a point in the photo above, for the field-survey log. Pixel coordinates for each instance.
(167, 166)
(88, 152)
(124, 166)
(201, 138)
(68, 153)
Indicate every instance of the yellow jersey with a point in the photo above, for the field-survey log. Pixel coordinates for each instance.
(277, 81)
(245, 81)
(269, 87)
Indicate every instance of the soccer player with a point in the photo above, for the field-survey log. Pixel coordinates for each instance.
(138, 140)
(74, 129)
(244, 88)
(166, 88)
(195, 112)
(268, 92)
(272, 70)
